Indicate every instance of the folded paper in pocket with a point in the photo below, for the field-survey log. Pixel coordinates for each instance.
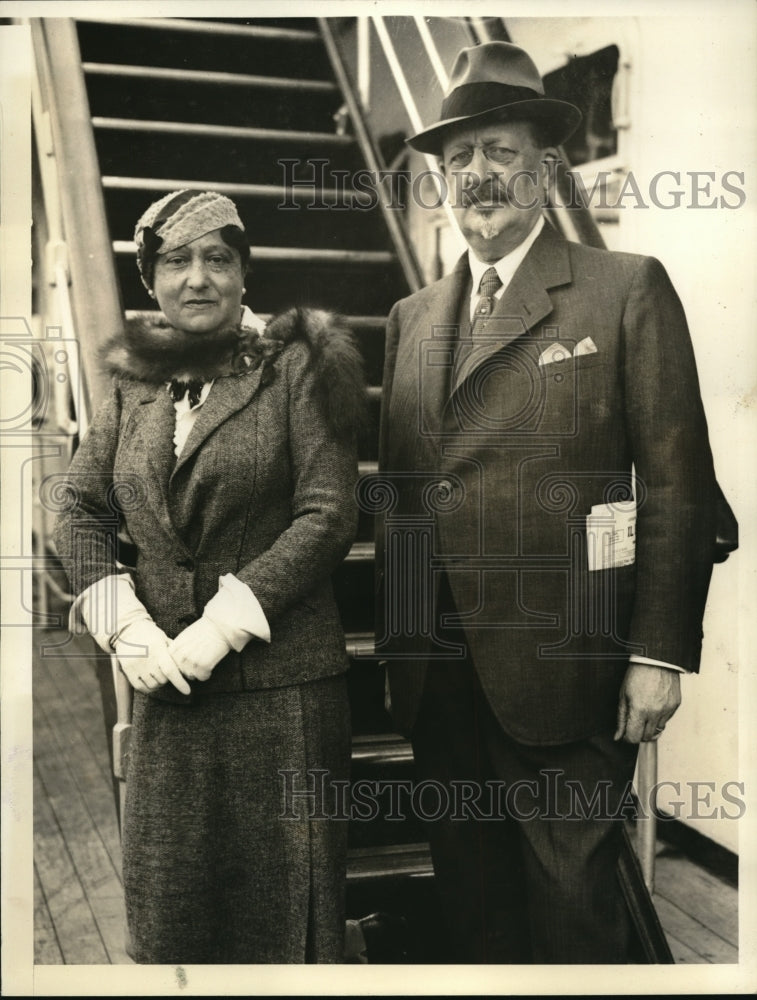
(555, 352)
(611, 535)
(585, 346)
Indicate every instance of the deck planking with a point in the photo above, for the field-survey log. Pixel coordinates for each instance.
(76, 833)
(79, 909)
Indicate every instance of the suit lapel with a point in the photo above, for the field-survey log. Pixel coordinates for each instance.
(424, 357)
(155, 427)
(524, 303)
(228, 395)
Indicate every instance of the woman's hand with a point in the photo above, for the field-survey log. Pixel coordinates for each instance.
(198, 649)
(142, 651)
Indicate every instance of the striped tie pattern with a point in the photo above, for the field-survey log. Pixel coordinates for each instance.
(490, 283)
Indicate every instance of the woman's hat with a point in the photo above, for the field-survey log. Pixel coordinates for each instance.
(497, 80)
(177, 219)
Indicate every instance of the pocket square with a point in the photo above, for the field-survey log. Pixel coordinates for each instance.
(585, 346)
(555, 352)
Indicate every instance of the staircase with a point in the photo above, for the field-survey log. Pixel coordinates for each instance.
(217, 104)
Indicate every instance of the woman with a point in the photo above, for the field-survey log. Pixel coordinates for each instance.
(227, 451)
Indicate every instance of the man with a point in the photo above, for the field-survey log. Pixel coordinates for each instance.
(544, 436)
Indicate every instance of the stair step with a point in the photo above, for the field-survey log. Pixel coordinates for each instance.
(221, 131)
(207, 27)
(385, 748)
(359, 645)
(353, 322)
(186, 76)
(367, 322)
(293, 255)
(362, 552)
(328, 196)
(399, 860)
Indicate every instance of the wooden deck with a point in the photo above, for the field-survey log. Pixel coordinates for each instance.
(79, 910)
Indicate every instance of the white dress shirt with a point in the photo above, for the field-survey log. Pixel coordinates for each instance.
(505, 267)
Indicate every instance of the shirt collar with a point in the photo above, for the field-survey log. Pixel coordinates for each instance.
(506, 266)
(251, 321)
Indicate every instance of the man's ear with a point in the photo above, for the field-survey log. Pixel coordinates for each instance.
(550, 153)
(547, 162)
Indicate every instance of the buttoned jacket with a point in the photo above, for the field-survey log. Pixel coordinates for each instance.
(263, 489)
(495, 463)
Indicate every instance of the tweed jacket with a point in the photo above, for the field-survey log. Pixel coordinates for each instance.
(263, 489)
(506, 458)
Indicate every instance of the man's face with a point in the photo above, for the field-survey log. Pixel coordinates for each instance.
(496, 179)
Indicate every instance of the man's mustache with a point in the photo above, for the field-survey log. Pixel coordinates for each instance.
(488, 193)
(519, 191)
(491, 194)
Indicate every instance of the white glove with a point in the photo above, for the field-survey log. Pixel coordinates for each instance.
(198, 649)
(229, 620)
(142, 651)
(105, 608)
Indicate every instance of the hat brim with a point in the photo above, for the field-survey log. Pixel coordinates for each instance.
(559, 119)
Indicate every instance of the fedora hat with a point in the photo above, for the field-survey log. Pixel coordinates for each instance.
(497, 80)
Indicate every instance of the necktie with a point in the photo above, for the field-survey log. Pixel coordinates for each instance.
(490, 283)
(484, 306)
(178, 389)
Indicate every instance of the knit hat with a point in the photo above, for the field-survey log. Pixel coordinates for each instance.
(179, 218)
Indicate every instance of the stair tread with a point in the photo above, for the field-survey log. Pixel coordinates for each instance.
(207, 27)
(328, 195)
(394, 859)
(359, 636)
(362, 551)
(207, 76)
(294, 254)
(220, 131)
(362, 648)
(355, 322)
(381, 748)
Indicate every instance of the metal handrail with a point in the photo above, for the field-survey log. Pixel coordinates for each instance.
(54, 262)
(431, 51)
(88, 267)
(407, 98)
(79, 261)
(402, 244)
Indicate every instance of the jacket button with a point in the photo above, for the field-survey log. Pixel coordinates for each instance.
(185, 563)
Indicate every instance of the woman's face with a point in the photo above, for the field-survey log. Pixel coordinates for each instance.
(199, 285)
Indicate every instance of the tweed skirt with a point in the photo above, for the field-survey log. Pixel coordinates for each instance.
(216, 869)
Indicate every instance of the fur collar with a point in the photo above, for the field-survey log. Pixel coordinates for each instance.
(149, 350)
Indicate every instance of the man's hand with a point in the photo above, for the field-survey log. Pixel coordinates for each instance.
(198, 649)
(648, 698)
(142, 651)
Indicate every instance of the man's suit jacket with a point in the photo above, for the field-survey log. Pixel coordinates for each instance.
(502, 463)
(263, 489)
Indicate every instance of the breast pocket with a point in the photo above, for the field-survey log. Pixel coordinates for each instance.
(567, 388)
